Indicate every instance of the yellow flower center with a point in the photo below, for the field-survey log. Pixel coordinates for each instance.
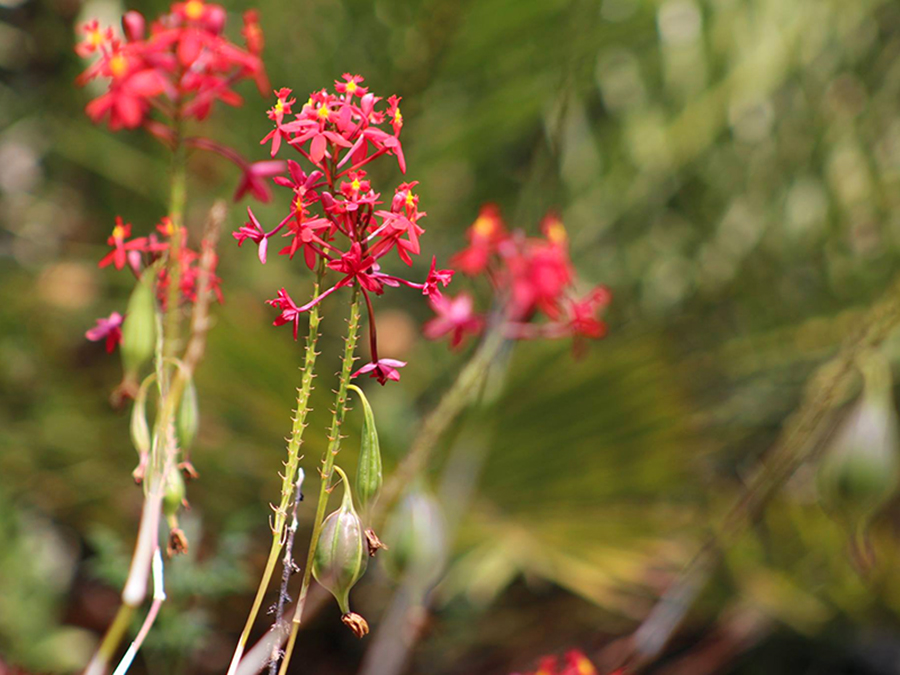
(351, 87)
(118, 64)
(398, 118)
(193, 9)
(279, 106)
(118, 232)
(323, 112)
(96, 37)
(410, 199)
(556, 232)
(355, 184)
(585, 667)
(298, 204)
(483, 227)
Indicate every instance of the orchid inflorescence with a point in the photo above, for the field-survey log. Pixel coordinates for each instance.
(334, 219)
(142, 253)
(531, 277)
(573, 663)
(179, 68)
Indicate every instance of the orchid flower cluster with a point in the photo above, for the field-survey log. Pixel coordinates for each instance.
(141, 253)
(178, 68)
(531, 277)
(162, 79)
(335, 217)
(573, 663)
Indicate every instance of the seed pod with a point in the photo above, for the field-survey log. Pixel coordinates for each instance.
(188, 420)
(174, 495)
(139, 327)
(341, 559)
(416, 534)
(859, 470)
(368, 469)
(140, 430)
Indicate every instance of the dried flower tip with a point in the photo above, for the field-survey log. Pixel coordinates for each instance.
(140, 471)
(177, 543)
(188, 471)
(373, 542)
(356, 623)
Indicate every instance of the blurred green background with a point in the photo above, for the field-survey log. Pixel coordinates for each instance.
(730, 168)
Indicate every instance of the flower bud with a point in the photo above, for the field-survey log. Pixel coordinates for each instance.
(139, 327)
(174, 495)
(859, 470)
(140, 430)
(341, 559)
(416, 533)
(188, 419)
(215, 18)
(133, 25)
(368, 469)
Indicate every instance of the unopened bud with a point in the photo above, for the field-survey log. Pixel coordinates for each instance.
(133, 25)
(188, 420)
(140, 430)
(173, 498)
(341, 559)
(368, 469)
(416, 533)
(139, 327)
(859, 470)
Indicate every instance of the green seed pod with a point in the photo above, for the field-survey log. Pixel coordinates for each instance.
(174, 494)
(860, 468)
(140, 430)
(368, 469)
(188, 419)
(341, 558)
(139, 327)
(417, 539)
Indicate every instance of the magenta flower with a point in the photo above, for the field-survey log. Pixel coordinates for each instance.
(110, 329)
(436, 277)
(455, 316)
(383, 369)
(253, 179)
(255, 233)
(290, 313)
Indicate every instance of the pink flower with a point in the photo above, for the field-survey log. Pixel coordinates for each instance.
(455, 316)
(436, 277)
(290, 313)
(119, 255)
(383, 369)
(255, 233)
(253, 179)
(110, 329)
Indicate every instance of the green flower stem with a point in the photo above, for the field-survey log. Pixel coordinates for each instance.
(334, 446)
(177, 198)
(290, 472)
(452, 403)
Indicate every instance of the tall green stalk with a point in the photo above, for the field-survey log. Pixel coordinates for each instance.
(334, 446)
(290, 472)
